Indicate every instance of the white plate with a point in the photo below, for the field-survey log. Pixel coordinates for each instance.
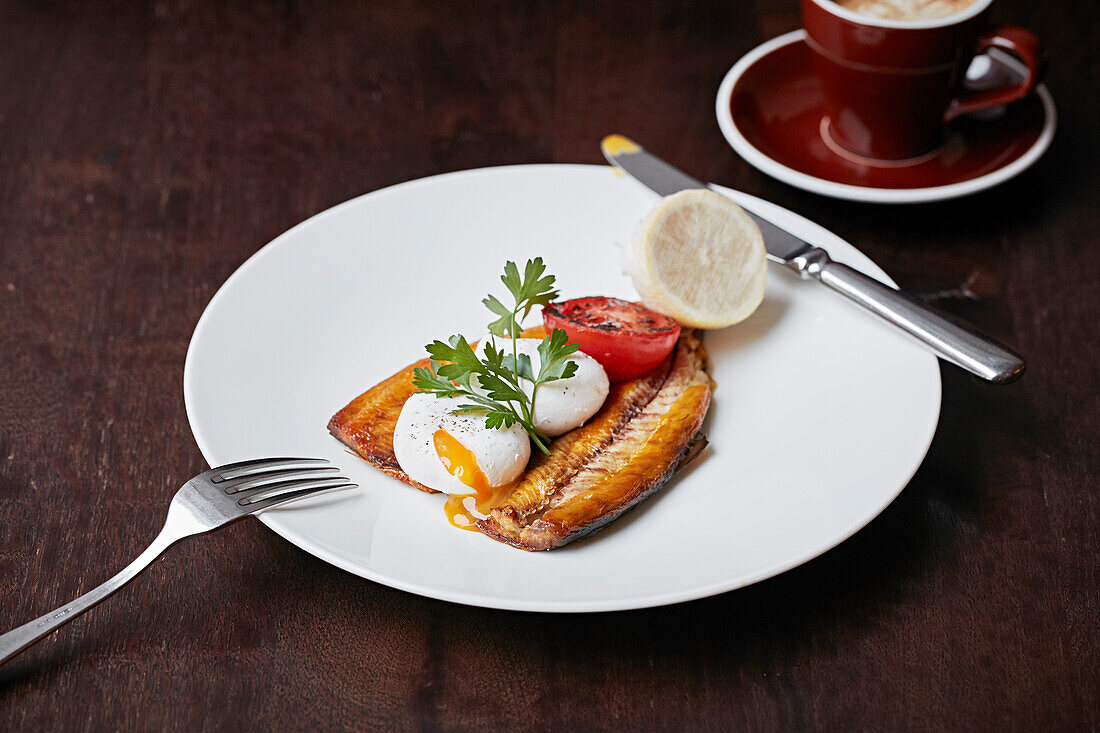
(820, 418)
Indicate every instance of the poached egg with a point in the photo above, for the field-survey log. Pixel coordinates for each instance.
(563, 404)
(458, 455)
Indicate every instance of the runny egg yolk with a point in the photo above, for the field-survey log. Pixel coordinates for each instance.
(461, 463)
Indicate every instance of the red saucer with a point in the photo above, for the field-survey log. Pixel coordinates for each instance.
(770, 109)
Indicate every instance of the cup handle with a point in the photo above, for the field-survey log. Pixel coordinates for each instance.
(1021, 43)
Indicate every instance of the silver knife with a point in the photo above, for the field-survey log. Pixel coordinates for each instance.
(951, 340)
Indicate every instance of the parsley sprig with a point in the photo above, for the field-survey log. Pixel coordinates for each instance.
(498, 391)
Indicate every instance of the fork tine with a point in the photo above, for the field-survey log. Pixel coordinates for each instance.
(314, 488)
(247, 468)
(270, 488)
(270, 478)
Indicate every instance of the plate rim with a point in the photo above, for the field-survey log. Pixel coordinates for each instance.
(271, 520)
(849, 192)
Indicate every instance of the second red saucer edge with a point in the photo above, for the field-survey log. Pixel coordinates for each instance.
(769, 108)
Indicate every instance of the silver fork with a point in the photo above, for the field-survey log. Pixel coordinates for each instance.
(212, 499)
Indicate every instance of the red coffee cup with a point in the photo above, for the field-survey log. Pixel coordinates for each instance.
(891, 86)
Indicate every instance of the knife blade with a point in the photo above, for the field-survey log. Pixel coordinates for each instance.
(952, 340)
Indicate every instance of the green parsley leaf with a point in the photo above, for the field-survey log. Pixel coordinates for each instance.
(505, 325)
(493, 383)
(458, 352)
(429, 381)
(553, 351)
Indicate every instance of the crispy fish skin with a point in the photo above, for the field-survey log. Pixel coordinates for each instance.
(635, 461)
(569, 453)
(647, 428)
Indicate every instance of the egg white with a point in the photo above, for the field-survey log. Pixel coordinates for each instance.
(501, 453)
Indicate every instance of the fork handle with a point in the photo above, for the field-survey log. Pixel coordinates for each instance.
(23, 636)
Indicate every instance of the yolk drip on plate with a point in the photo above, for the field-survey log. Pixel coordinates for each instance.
(461, 463)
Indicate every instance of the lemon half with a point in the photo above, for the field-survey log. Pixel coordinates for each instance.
(700, 259)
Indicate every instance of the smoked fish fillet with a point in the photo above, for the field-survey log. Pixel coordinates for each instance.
(647, 428)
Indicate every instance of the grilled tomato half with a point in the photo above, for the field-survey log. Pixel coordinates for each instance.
(627, 338)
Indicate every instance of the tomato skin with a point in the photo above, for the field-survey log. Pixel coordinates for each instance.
(627, 338)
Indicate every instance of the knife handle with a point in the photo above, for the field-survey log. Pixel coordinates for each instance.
(957, 343)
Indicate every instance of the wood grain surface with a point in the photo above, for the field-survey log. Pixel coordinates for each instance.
(148, 148)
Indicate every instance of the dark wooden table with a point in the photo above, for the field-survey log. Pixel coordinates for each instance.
(148, 149)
